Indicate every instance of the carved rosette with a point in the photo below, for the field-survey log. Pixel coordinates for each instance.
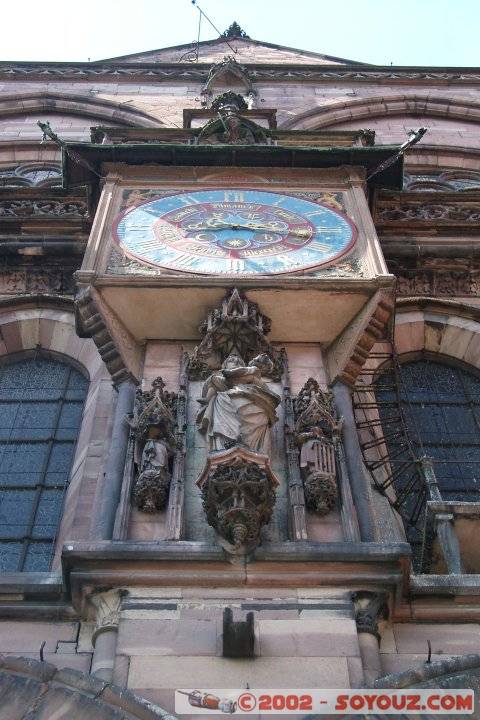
(238, 492)
(153, 425)
(235, 327)
(317, 432)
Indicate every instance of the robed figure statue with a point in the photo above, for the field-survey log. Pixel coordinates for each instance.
(238, 408)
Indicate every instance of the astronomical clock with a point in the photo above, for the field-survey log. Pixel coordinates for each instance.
(234, 231)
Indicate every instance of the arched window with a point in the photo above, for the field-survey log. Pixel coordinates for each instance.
(41, 405)
(429, 408)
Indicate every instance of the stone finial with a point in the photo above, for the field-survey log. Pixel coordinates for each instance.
(238, 327)
(370, 607)
(107, 605)
(234, 31)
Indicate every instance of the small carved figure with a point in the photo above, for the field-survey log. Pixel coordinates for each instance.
(152, 425)
(238, 406)
(317, 432)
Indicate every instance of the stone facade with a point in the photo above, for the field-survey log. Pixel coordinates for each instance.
(167, 522)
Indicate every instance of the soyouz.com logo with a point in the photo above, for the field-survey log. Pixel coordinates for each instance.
(324, 702)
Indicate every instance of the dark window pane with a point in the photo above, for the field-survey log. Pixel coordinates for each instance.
(441, 408)
(48, 513)
(41, 405)
(39, 557)
(10, 556)
(15, 511)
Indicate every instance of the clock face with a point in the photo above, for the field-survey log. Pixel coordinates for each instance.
(234, 232)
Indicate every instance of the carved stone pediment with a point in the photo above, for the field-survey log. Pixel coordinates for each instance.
(236, 327)
(229, 71)
(238, 491)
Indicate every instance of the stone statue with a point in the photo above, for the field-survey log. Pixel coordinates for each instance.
(317, 433)
(238, 406)
(153, 427)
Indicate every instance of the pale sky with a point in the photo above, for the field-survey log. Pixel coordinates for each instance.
(402, 32)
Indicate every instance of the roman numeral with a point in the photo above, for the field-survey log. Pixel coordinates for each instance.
(233, 196)
(320, 247)
(236, 266)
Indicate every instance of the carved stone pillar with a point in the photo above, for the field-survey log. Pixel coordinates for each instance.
(104, 640)
(354, 461)
(370, 607)
(110, 486)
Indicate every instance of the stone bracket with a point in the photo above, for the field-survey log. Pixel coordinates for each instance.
(118, 349)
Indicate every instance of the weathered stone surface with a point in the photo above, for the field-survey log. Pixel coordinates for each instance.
(312, 637)
(221, 672)
(447, 639)
(167, 637)
(30, 688)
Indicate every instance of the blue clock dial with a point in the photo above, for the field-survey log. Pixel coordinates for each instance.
(234, 232)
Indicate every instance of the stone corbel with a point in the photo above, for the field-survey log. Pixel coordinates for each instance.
(238, 491)
(118, 349)
(349, 353)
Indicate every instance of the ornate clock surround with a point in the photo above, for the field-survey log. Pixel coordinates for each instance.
(140, 302)
(237, 231)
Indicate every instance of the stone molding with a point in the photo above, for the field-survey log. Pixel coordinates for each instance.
(382, 106)
(32, 103)
(448, 208)
(45, 208)
(437, 328)
(349, 353)
(180, 71)
(414, 282)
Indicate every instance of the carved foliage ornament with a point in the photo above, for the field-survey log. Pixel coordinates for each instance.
(153, 424)
(317, 432)
(236, 327)
(238, 492)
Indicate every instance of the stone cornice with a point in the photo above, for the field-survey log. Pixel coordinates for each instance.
(199, 72)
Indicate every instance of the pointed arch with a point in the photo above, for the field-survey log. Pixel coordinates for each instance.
(370, 107)
(70, 104)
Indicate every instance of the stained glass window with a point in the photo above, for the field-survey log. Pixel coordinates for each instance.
(440, 404)
(41, 404)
